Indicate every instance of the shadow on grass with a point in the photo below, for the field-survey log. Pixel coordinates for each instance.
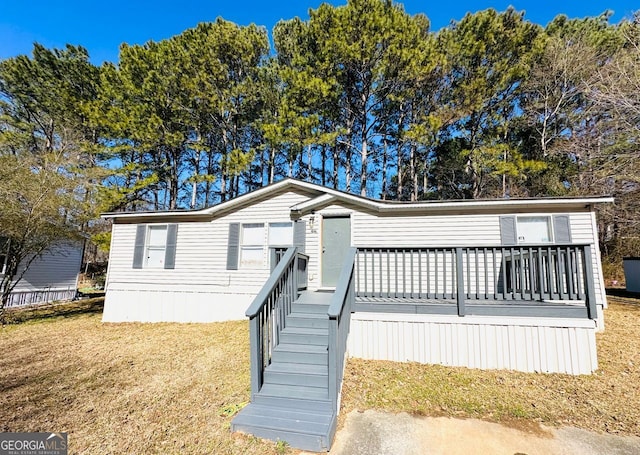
(619, 292)
(53, 311)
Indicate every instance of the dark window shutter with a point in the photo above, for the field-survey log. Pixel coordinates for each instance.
(561, 229)
(138, 249)
(170, 249)
(233, 244)
(508, 230)
(300, 234)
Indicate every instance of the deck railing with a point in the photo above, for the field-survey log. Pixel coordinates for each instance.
(471, 275)
(270, 307)
(339, 323)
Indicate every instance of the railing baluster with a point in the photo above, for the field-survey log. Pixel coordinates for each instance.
(569, 272)
(429, 274)
(444, 272)
(395, 291)
(411, 259)
(419, 274)
(435, 265)
(380, 265)
(477, 274)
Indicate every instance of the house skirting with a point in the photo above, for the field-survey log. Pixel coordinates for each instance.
(144, 305)
(547, 345)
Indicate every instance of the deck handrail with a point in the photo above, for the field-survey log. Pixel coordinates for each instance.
(466, 274)
(269, 309)
(339, 313)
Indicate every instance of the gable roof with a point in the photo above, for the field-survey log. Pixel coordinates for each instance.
(321, 196)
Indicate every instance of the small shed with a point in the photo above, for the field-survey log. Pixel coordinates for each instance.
(632, 273)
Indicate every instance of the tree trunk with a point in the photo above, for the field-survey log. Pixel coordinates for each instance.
(383, 194)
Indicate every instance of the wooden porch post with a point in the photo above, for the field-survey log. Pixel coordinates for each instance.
(592, 311)
(460, 281)
(256, 355)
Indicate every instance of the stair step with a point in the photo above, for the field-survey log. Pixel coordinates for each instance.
(301, 307)
(294, 391)
(312, 320)
(296, 374)
(315, 298)
(300, 429)
(300, 353)
(292, 403)
(305, 335)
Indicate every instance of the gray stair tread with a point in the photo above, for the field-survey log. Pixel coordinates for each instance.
(295, 391)
(297, 415)
(311, 297)
(296, 314)
(304, 307)
(301, 348)
(320, 405)
(306, 330)
(297, 368)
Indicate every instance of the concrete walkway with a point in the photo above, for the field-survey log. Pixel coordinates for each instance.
(374, 433)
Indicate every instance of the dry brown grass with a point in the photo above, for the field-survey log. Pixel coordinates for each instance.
(607, 401)
(172, 388)
(126, 388)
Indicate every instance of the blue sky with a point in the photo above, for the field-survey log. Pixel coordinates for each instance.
(101, 26)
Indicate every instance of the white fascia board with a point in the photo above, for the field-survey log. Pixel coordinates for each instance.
(112, 215)
(305, 207)
(489, 204)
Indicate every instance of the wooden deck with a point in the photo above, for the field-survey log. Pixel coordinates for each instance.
(488, 307)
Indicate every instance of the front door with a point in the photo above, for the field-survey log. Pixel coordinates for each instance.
(336, 240)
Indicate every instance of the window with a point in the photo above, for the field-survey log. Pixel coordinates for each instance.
(156, 245)
(280, 234)
(256, 237)
(534, 229)
(252, 245)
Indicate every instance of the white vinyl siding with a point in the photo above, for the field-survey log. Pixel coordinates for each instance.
(201, 253)
(57, 268)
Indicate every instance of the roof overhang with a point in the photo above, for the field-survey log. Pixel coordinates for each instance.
(320, 197)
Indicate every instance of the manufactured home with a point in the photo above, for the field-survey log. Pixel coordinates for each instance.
(51, 276)
(322, 275)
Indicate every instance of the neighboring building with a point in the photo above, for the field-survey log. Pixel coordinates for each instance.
(52, 276)
(513, 283)
(632, 273)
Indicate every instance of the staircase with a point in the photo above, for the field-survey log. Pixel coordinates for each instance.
(293, 403)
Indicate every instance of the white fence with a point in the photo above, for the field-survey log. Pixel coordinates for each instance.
(33, 297)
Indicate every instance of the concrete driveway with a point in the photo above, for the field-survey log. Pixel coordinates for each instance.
(372, 432)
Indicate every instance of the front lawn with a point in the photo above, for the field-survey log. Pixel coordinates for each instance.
(173, 388)
(126, 388)
(607, 401)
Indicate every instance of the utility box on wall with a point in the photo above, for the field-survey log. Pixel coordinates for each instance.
(632, 274)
